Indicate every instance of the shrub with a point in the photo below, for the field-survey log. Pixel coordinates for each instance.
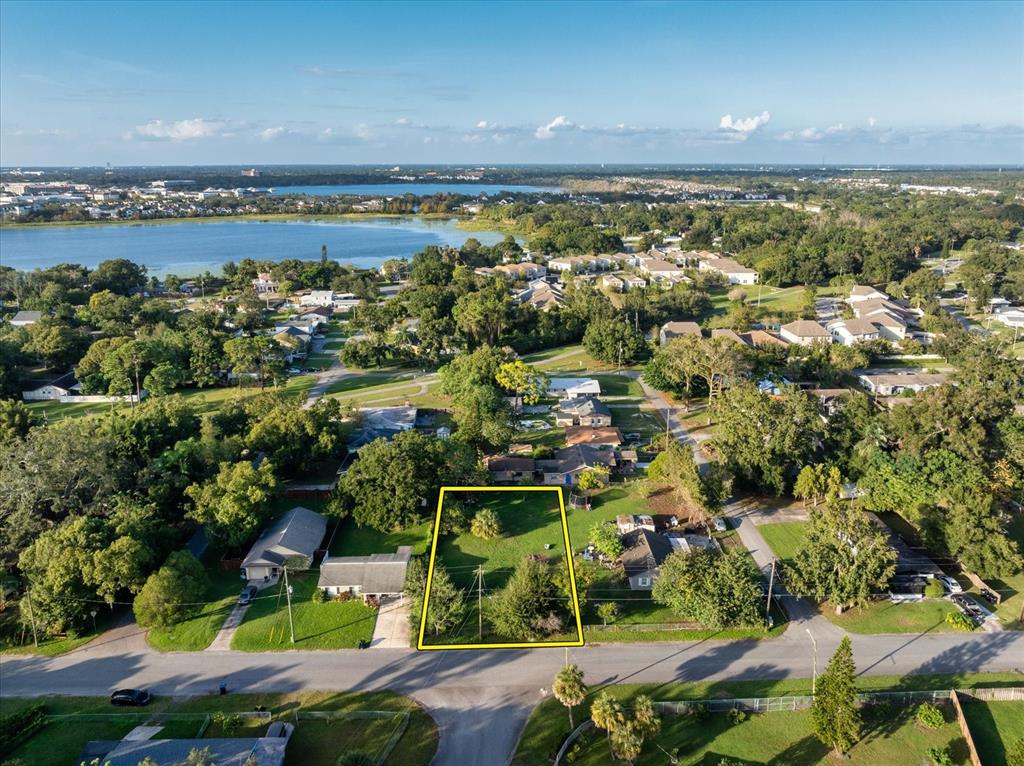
(934, 589)
(486, 524)
(960, 621)
(939, 756)
(18, 726)
(700, 712)
(454, 520)
(607, 611)
(318, 596)
(737, 716)
(228, 724)
(930, 716)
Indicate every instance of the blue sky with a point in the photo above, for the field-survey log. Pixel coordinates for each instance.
(211, 83)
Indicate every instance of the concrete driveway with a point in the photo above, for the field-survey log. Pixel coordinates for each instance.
(392, 628)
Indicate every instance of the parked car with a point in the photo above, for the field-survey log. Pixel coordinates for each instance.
(247, 594)
(130, 698)
(721, 525)
(294, 371)
(632, 436)
(989, 596)
(951, 585)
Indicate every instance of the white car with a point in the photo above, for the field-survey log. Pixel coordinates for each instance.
(951, 585)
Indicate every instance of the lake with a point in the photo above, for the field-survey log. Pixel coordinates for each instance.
(188, 249)
(419, 189)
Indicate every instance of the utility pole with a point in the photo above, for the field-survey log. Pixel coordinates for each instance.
(32, 617)
(814, 678)
(771, 584)
(480, 602)
(288, 595)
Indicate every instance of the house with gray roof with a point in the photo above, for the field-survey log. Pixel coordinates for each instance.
(568, 463)
(26, 318)
(292, 539)
(583, 411)
(379, 575)
(267, 750)
(381, 422)
(642, 556)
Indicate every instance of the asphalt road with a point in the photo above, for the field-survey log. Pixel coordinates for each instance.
(481, 699)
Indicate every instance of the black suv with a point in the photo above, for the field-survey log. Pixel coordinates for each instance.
(131, 697)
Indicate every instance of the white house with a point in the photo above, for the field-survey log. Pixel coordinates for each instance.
(264, 283)
(805, 333)
(859, 293)
(895, 384)
(379, 575)
(851, 331)
(570, 388)
(65, 385)
(1011, 317)
(323, 298)
(736, 273)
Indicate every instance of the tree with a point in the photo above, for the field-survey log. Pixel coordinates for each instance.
(257, 355)
(234, 504)
(569, 689)
(172, 593)
(615, 340)
(593, 479)
(527, 383)
(15, 420)
(834, 714)
(645, 717)
(164, 378)
(56, 344)
(605, 537)
(447, 605)
(817, 481)
(486, 524)
(521, 609)
(703, 494)
(606, 713)
(844, 558)
(714, 589)
(119, 275)
(627, 741)
(608, 611)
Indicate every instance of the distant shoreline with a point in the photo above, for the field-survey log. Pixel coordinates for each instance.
(259, 217)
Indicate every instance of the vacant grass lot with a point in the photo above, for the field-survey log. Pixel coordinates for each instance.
(782, 739)
(784, 538)
(357, 382)
(353, 540)
(331, 625)
(568, 360)
(212, 399)
(995, 727)
(313, 743)
(198, 632)
(630, 418)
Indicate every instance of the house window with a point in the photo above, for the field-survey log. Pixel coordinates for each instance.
(644, 582)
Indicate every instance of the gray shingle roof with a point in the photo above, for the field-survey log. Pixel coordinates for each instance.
(376, 573)
(643, 550)
(584, 405)
(297, 533)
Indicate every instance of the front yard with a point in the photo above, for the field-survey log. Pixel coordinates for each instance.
(198, 632)
(330, 625)
(995, 727)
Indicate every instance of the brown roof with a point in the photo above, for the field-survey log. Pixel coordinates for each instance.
(731, 335)
(506, 463)
(763, 338)
(590, 435)
(860, 327)
(805, 328)
(676, 329)
(643, 550)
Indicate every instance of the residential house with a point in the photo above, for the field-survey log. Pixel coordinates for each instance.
(525, 271)
(671, 330)
(293, 537)
(65, 385)
(732, 335)
(583, 411)
(688, 543)
(381, 422)
(886, 384)
(735, 273)
(510, 468)
(852, 331)
(830, 399)
(633, 282)
(568, 463)
(26, 318)
(859, 293)
(805, 333)
(564, 263)
(572, 388)
(643, 554)
(613, 282)
(663, 271)
(1011, 317)
(542, 295)
(268, 750)
(377, 576)
(323, 298)
(761, 338)
(264, 283)
(595, 437)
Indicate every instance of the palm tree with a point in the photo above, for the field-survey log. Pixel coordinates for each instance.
(569, 688)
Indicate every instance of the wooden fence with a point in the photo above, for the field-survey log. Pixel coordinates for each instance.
(965, 729)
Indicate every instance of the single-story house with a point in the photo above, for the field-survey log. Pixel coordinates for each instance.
(293, 537)
(568, 463)
(613, 282)
(860, 293)
(510, 467)
(1012, 317)
(379, 575)
(571, 388)
(736, 273)
(606, 436)
(672, 330)
(658, 268)
(643, 554)
(65, 385)
(583, 411)
(26, 318)
(268, 750)
(378, 422)
(805, 332)
(851, 331)
(893, 384)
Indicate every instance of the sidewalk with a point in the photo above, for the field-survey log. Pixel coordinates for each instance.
(222, 642)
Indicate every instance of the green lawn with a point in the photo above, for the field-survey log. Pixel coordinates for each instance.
(314, 742)
(365, 381)
(567, 360)
(995, 727)
(319, 361)
(54, 411)
(331, 625)
(634, 418)
(785, 538)
(617, 385)
(1011, 608)
(371, 394)
(782, 739)
(16, 638)
(198, 632)
(353, 540)
(212, 399)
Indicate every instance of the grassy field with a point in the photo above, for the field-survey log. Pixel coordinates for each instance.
(630, 418)
(568, 360)
(197, 633)
(548, 723)
(54, 411)
(1011, 608)
(212, 399)
(357, 382)
(314, 743)
(353, 540)
(784, 538)
(995, 727)
(16, 638)
(331, 625)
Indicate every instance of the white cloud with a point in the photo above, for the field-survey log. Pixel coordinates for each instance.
(485, 125)
(559, 124)
(181, 130)
(402, 121)
(269, 134)
(362, 130)
(872, 122)
(744, 124)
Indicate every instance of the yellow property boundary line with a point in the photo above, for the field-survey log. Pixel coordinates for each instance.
(569, 564)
